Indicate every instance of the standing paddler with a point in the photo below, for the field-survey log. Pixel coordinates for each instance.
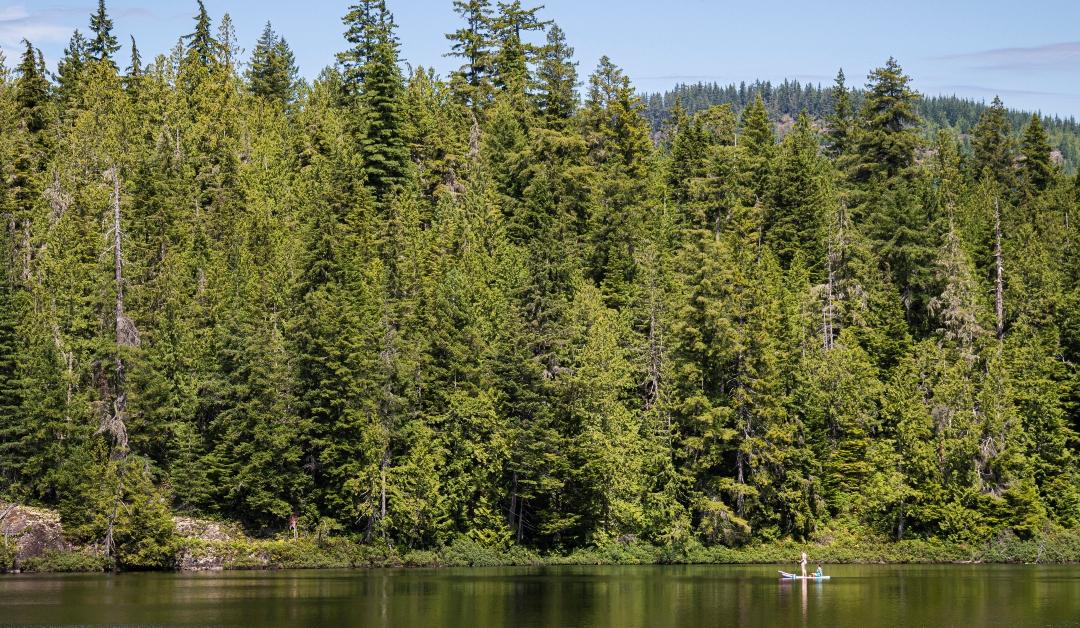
(802, 564)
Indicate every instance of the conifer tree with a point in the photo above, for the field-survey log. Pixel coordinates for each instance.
(906, 236)
(272, 71)
(956, 307)
(608, 460)
(844, 423)
(707, 342)
(380, 97)
(991, 145)
(556, 97)
(11, 428)
(135, 66)
(201, 47)
(757, 132)
(32, 90)
(32, 115)
(70, 67)
(362, 31)
(857, 295)
(797, 207)
(841, 122)
(103, 45)
(10, 302)
(688, 155)
(759, 143)
(910, 485)
(1036, 168)
(513, 54)
(228, 49)
(617, 138)
(474, 44)
(887, 138)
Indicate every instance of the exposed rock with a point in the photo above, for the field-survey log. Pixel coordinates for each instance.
(202, 558)
(206, 530)
(33, 531)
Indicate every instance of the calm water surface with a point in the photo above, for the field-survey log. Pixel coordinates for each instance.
(594, 597)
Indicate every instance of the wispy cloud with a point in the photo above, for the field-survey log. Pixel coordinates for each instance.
(137, 13)
(722, 78)
(682, 77)
(16, 24)
(1001, 91)
(49, 25)
(8, 14)
(1063, 56)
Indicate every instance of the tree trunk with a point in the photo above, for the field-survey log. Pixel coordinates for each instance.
(118, 428)
(114, 425)
(512, 512)
(382, 484)
(999, 283)
(827, 311)
(520, 518)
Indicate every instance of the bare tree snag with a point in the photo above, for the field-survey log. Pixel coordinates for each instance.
(832, 261)
(113, 422)
(999, 283)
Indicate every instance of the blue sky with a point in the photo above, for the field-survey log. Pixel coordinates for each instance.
(1028, 52)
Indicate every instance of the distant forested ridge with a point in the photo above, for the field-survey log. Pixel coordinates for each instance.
(790, 98)
(497, 306)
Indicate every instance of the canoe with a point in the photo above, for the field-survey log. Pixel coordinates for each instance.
(790, 576)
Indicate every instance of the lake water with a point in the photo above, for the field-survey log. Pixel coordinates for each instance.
(595, 597)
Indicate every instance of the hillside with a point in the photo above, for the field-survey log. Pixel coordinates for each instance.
(790, 98)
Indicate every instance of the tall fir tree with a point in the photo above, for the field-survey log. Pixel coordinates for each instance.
(134, 72)
(759, 145)
(70, 68)
(103, 45)
(473, 43)
(798, 203)
(272, 71)
(374, 62)
(32, 89)
(513, 53)
(887, 137)
(556, 96)
(201, 47)
(617, 139)
(992, 145)
(1036, 167)
(842, 119)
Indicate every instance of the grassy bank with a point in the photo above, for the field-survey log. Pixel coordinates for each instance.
(208, 545)
(304, 553)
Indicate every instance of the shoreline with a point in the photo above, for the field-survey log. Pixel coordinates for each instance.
(33, 541)
(200, 555)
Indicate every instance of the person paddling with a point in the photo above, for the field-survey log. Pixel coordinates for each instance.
(802, 564)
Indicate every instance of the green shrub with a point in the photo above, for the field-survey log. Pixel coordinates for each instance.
(522, 556)
(466, 552)
(7, 554)
(421, 558)
(145, 534)
(54, 561)
(143, 531)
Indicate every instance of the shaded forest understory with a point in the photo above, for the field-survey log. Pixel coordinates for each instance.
(501, 311)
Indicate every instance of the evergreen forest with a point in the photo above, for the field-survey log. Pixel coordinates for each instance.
(523, 304)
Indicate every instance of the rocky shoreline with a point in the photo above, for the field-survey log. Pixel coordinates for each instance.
(32, 540)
